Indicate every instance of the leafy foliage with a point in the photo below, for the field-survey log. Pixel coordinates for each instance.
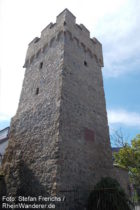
(129, 157)
(108, 194)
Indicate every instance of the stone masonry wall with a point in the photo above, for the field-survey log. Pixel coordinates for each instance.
(85, 148)
(33, 145)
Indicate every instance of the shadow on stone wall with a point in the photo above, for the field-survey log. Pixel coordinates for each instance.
(25, 182)
(29, 185)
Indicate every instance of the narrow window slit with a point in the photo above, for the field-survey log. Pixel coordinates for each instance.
(41, 65)
(37, 91)
(85, 63)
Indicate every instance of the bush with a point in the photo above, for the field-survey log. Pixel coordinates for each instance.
(2, 187)
(108, 195)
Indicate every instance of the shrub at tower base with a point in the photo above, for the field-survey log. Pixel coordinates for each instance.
(108, 194)
(2, 187)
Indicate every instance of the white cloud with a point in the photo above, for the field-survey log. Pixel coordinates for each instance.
(123, 117)
(119, 33)
(4, 117)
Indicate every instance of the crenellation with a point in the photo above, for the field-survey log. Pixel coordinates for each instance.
(78, 27)
(93, 40)
(96, 41)
(35, 40)
(65, 23)
(67, 17)
(85, 30)
(72, 38)
(47, 29)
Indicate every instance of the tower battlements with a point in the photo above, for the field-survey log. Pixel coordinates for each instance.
(65, 26)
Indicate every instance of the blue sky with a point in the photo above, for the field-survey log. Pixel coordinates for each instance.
(121, 46)
(114, 23)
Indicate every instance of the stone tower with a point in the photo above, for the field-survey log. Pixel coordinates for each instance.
(59, 137)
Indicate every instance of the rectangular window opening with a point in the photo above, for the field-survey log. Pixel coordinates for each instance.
(85, 63)
(37, 91)
(41, 65)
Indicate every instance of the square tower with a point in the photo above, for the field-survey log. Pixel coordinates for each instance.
(59, 137)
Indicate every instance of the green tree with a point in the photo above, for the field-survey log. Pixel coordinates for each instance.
(128, 157)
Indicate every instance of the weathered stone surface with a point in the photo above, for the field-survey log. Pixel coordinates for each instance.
(59, 137)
